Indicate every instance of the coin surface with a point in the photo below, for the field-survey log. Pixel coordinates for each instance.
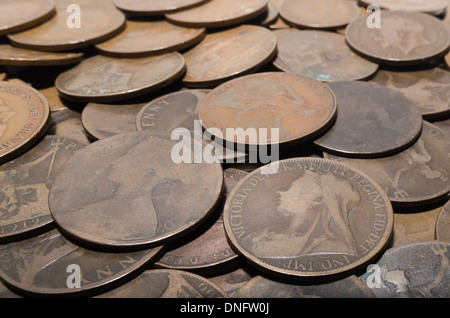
(53, 98)
(67, 123)
(145, 38)
(126, 192)
(2, 76)
(25, 117)
(218, 57)
(320, 14)
(322, 55)
(105, 79)
(447, 60)
(219, 13)
(5, 292)
(443, 224)
(416, 176)
(311, 218)
(295, 107)
(373, 121)
(230, 282)
(435, 7)
(42, 266)
(444, 125)
(267, 18)
(155, 7)
(404, 38)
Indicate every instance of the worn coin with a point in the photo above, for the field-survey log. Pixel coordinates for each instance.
(67, 123)
(218, 57)
(231, 281)
(443, 223)
(319, 14)
(105, 79)
(145, 38)
(155, 7)
(6, 292)
(404, 38)
(127, 192)
(24, 119)
(372, 121)
(309, 218)
(219, 13)
(444, 125)
(416, 176)
(53, 98)
(267, 18)
(321, 55)
(46, 266)
(268, 108)
(435, 7)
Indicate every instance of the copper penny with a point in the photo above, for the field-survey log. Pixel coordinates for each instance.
(444, 125)
(155, 7)
(6, 292)
(145, 38)
(404, 38)
(53, 98)
(126, 192)
(67, 123)
(321, 55)
(447, 60)
(312, 218)
(319, 14)
(231, 281)
(416, 176)
(443, 223)
(24, 119)
(2, 76)
(41, 266)
(219, 13)
(218, 57)
(296, 107)
(435, 7)
(105, 79)
(372, 121)
(268, 18)
(18, 15)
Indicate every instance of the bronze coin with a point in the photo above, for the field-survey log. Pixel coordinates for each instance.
(67, 123)
(230, 282)
(98, 23)
(404, 38)
(219, 13)
(435, 7)
(145, 38)
(155, 7)
(2, 76)
(6, 292)
(447, 58)
(444, 125)
(24, 187)
(24, 119)
(44, 265)
(443, 223)
(322, 55)
(19, 15)
(312, 218)
(167, 283)
(218, 57)
(297, 107)
(416, 176)
(208, 249)
(268, 18)
(429, 89)
(105, 79)
(126, 192)
(319, 14)
(53, 98)
(372, 121)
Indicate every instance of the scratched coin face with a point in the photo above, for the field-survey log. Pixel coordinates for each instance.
(404, 38)
(310, 218)
(443, 223)
(155, 7)
(429, 6)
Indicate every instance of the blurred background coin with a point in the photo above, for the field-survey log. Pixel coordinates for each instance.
(155, 7)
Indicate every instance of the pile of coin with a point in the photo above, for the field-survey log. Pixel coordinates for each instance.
(224, 149)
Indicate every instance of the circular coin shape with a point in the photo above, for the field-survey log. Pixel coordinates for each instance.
(67, 123)
(308, 218)
(319, 14)
(218, 57)
(126, 192)
(41, 266)
(435, 7)
(105, 79)
(250, 109)
(145, 38)
(373, 121)
(404, 38)
(322, 55)
(219, 13)
(443, 223)
(25, 117)
(155, 7)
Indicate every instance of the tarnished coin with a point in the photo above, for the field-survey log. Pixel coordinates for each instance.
(105, 79)
(318, 14)
(18, 15)
(417, 270)
(429, 89)
(167, 283)
(10, 55)
(145, 38)
(97, 24)
(25, 184)
(230, 282)
(435, 7)
(321, 55)
(24, 119)
(267, 18)
(443, 223)
(67, 123)
(218, 57)
(155, 7)
(126, 192)
(416, 176)
(403, 38)
(257, 107)
(372, 121)
(5, 292)
(444, 125)
(42, 266)
(53, 98)
(309, 218)
(219, 13)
